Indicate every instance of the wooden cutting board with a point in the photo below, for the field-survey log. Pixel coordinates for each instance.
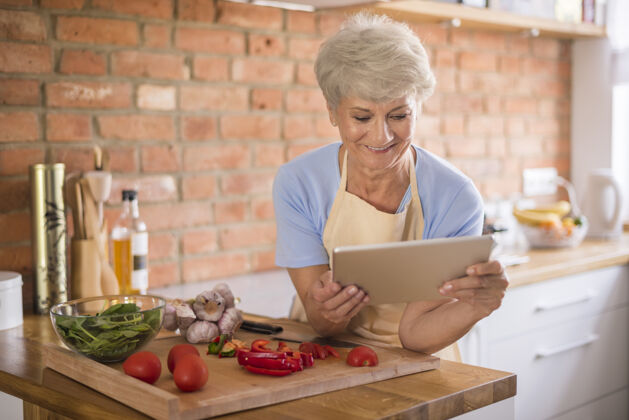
(231, 388)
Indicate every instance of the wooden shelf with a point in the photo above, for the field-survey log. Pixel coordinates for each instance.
(478, 18)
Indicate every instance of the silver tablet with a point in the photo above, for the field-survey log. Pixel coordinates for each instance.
(408, 271)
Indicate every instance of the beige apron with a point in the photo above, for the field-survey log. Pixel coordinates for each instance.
(353, 221)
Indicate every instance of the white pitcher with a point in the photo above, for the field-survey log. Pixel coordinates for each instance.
(602, 204)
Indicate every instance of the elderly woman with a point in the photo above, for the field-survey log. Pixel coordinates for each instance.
(375, 186)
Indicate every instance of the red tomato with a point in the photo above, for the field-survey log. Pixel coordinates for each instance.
(177, 352)
(190, 373)
(362, 356)
(143, 365)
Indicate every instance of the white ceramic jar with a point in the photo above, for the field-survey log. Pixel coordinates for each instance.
(10, 300)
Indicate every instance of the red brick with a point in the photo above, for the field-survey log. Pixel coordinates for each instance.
(76, 159)
(520, 105)
(17, 161)
(266, 99)
(324, 129)
(88, 95)
(198, 128)
(430, 34)
(263, 260)
(97, 30)
(298, 127)
(246, 236)
(62, 4)
(483, 125)
(466, 147)
(269, 155)
(18, 126)
(538, 66)
(160, 158)
(139, 64)
(249, 16)
(557, 146)
(163, 274)
(15, 195)
(544, 127)
(305, 100)
(123, 159)
(198, 10)
(526, 147)
(445, 58)
(298, 149)
(252, 70)
(137, 127)
(25, 58)
(517, 44)
(211, 68)
(23, 26)
(452, 125)
(266, 45)
(68, 127)
(552, 88)
(481, 82)
(176, 215)
(460, 37)
(199, 242)
(432, 105)
(217, 41)
(215, 266)
(561, 163)
(490, 41)
(17, 258)
(546, 47)
(160, 9)
(157, 97)
(330, 23)
(514, 127)
(19, 92)
(247, 183)
(156, 36)
(301, 22)
(476, 61)
(206, 157)
(478, 167)
(509, 64)
(230, 211)
(492, 104)
(82, 62)
(428, 125)
(250, 127)
(150, 189)
(262, 209)
(306, 75)
(15, 227)
(501, 186)
(213, 98)
(162, 245)
(463, 104)
(198, 186)
(436, 146)
(303, 48)
(446, 79)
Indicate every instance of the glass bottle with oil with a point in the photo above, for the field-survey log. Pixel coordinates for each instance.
(130, 247)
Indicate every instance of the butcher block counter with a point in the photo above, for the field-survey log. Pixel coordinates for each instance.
(450, 390)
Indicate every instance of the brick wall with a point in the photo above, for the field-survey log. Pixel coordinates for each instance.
(199, 101)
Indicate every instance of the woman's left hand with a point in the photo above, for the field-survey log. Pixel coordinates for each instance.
(483, 288)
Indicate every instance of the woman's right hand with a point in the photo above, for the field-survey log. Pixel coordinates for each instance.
(335, 303)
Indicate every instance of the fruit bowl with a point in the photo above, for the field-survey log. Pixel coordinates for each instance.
(563, 235)
(108, 328)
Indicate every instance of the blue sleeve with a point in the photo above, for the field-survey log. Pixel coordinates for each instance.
(464, 215)
(299, 243)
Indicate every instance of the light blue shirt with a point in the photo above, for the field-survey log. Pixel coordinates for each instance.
(304, 190)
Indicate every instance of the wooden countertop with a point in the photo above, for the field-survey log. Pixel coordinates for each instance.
(451, 390)
(551, 263)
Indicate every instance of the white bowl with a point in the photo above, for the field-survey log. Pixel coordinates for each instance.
(555, 237)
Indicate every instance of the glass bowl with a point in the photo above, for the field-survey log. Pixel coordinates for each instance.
(108, 328)
(555, 236)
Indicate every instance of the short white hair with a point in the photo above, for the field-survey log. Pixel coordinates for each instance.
(373, 58)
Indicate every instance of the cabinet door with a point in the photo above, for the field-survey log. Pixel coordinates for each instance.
(566, 365)
(610, 407)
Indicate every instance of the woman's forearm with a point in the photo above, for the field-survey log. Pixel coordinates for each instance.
(432, 330)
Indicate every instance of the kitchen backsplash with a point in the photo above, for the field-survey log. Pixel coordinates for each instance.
(198, 102)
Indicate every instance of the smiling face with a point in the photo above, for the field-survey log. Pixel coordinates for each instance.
(376, 135)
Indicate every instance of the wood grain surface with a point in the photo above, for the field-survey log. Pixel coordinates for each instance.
(230, 387)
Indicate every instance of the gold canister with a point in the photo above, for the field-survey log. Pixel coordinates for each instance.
(48, 235)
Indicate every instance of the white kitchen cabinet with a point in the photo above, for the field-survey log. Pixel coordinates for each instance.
(567, 339)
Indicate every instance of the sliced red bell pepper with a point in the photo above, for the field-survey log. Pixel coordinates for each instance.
(283, 347)
(295, 364)
(331, 351)
(307, 359)
(264, 363)
(307, 347)
(260, 346)
(320, 351)
(267, 355)
(270, 372)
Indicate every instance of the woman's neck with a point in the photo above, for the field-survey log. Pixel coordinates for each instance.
(383, 189)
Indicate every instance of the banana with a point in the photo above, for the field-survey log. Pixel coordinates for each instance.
(535, 218)
(560, 208)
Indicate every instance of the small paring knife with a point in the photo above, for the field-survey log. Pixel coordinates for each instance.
(275, 330)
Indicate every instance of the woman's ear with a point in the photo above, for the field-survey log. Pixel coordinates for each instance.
(331, 114)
